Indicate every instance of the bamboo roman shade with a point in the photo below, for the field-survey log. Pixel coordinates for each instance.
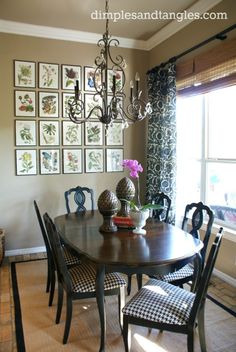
(211, 70)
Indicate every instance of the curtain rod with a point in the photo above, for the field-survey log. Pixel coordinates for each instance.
(219, 36)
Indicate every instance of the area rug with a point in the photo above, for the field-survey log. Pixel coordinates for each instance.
(36, 329)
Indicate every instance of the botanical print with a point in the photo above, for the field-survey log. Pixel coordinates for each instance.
(24, 74)
(66, 97)
(115, 134)
(90, 102)
(114, 159)
(49, 161)
(118, 80)
(93, 133)
(89, 73)
(71, 133)
(48, 75)
(26, 162)
(72, 161)
(24, 103)
(70, 74)
(25, 132)
(94, 160)
(48, 104)
(48, 132)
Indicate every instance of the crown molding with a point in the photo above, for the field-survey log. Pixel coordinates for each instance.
(64, 34)
(167, 31)
(173, 27)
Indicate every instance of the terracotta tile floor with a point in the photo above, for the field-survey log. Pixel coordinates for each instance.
(218, 289)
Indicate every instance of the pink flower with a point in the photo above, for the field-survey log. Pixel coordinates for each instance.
(133, 166)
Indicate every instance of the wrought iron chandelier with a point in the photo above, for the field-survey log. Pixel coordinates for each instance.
(108, 94)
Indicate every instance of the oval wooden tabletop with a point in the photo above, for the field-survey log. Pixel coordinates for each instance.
(163, 243)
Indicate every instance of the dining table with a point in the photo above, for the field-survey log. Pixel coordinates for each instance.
(164, 249)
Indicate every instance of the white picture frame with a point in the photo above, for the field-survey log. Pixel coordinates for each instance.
(94, 160)
(65, 98)
(24, 74)
(48, 75)
(115, 134)
(71, 133)
(69, 75)
(26, 162)
(93, 133)
(114, 158)
(89, 73)
(25, 133)
(25, 103)
(48, 104)
(90, 102)
(49, 133)
(72, 161)
(49, 161)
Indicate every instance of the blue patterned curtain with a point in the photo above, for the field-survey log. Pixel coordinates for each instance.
(161, 149)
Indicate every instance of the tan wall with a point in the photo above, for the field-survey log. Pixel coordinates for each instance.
(189, 36)
(193, 34)
(18, 192)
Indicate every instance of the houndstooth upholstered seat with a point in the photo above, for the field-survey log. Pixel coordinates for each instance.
(159, 301)
(83, 279)
(70, 258)
(183, 273)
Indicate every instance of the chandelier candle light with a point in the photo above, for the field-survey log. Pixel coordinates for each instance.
(111, 107)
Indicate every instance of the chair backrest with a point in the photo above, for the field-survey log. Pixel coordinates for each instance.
(206, 275)
(161, 199)
(200, 213)
(79, 198)
(43, 231)
(58, 257)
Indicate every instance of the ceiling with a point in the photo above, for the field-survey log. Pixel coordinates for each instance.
(76, 15)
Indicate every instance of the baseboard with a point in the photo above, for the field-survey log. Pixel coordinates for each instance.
(229, 279)
(25, 251)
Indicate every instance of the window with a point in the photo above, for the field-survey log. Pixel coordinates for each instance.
(206, 153)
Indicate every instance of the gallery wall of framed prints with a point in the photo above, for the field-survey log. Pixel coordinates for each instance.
(46, 141)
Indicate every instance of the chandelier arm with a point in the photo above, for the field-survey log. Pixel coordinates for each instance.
(106, 89)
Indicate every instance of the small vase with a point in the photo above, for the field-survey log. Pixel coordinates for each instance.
(139, 220)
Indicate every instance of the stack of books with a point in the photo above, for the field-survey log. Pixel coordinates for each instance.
(123, 221)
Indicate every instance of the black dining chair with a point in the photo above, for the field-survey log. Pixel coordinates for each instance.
(70, 258)
(196, 216)
(164, 306)
(164, 200)
(160, 214)
(79, 195)
(79, 281)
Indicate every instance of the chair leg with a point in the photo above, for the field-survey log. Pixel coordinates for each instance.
(48, 278)
(59, 303)
(126, 334)
(139, 281)
(68, 318)
(129, 284)
(190, 340)
(121, 304)
(52, 287)
(201, 328)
